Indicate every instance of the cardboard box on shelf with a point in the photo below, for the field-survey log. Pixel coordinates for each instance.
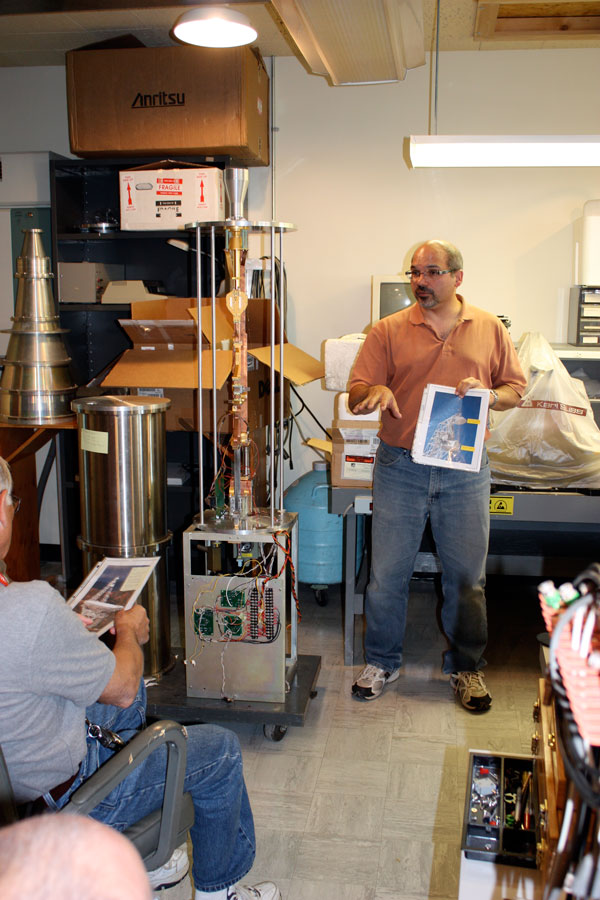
(154, 101)
(167, 196)
(354, 445)
(164, 361)
(128, 292)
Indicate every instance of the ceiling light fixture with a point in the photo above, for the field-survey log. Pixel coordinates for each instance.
(504, 150)
(214, 26)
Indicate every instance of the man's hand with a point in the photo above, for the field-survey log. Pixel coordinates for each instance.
(364, 399)
(132, 630)
(468, 384)
(506, 396)
(135, 619)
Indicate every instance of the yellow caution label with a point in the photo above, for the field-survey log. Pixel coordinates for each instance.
(502, 506)
(473, 421)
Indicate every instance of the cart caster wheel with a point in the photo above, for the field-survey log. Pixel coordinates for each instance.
(275, 732)
(321, 597)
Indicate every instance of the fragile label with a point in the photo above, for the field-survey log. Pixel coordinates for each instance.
(169, 186)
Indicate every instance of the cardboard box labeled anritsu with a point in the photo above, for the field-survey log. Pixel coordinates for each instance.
(354, 446)
(165, 101)
(169, 195)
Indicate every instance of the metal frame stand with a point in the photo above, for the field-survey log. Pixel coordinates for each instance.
(238, 525)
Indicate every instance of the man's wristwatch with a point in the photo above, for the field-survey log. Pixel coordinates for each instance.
(495, 396)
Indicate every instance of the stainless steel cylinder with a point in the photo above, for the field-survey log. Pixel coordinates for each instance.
(236, 189)
(123, 496)
(154, 598)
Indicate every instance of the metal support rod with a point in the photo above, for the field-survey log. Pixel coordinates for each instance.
(213, 337)
(273, 138)
(272, 392)
(294, 576)
(281, 361)
(199, 345)
(61, 496)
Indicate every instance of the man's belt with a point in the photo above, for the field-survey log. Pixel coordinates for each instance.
(39, 805)
(61, 789)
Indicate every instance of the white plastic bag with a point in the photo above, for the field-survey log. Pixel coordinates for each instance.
(551, 439)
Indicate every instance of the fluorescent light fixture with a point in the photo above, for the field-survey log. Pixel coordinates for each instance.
(469, 150)
(214, 26)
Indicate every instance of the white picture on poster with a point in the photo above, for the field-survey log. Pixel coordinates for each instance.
(113, 584)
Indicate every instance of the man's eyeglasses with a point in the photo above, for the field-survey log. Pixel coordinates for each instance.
(16, 502)
(415, 274)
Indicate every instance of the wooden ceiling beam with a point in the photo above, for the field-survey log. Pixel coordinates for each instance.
(530, 21)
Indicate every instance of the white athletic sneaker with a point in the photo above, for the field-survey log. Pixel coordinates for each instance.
(173, 870)
(372, 681)
(266, 890)
(471, 690)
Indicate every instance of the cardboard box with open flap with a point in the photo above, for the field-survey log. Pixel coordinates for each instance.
(298, 367)
(352, 447)
(164, 358)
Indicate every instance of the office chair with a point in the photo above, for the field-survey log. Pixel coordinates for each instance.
(157, 834)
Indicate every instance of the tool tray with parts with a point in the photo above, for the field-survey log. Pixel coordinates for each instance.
(501, 810)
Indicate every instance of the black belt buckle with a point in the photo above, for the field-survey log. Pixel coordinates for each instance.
(107, 738)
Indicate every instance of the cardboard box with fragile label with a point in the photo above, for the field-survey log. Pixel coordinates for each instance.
(168, 196)
(158, 101)
(354, 446)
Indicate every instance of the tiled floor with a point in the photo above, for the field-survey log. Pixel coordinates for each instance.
(365, 801)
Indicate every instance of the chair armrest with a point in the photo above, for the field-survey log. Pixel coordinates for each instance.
(119, 766)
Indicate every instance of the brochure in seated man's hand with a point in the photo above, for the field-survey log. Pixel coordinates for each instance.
(451, 430)
(113, 584)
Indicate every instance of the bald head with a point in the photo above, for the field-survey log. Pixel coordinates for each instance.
(69, 857)
(453, 255)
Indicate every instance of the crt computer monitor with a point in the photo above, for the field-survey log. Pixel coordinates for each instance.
(389, 294)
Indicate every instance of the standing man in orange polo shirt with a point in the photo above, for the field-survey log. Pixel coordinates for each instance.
(439, 340)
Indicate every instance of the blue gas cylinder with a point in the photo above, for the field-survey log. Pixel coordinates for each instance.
(320, 533)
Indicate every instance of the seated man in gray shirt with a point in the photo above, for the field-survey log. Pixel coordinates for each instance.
(54, 675)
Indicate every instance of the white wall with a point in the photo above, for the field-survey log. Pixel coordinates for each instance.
(33, 109)
(341, 177)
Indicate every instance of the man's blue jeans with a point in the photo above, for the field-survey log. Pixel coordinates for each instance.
(405, 494)
(223, 831)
